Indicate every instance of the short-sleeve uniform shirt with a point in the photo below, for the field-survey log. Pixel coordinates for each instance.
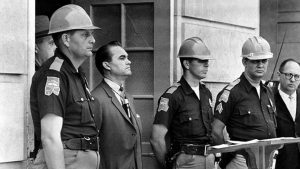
(58, 88)
(246, 115)
(187, 118)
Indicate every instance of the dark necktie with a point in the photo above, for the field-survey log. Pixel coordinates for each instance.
(124, 100)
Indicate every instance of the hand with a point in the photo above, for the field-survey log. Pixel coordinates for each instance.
(184, 159)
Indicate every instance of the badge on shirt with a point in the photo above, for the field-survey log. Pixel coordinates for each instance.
(163, 104)
(52, 86)
(219, 108)
(224, 96)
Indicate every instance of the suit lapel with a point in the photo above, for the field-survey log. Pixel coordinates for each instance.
(298, 104)
(136, 120)
(115, 101)
(281, 102)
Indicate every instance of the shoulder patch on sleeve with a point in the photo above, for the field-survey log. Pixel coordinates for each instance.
(173, 88)
(56, 65)
(52, 86)
(226, 92)
(163, 104)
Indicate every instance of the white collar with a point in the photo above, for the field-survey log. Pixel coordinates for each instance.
(113, 85)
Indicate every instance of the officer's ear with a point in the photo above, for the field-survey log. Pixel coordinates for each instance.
(106, 65)
(65, 39)
(244, 61)
(278, 74)
(186, 64)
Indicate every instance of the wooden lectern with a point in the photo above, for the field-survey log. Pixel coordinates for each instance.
(258, 153)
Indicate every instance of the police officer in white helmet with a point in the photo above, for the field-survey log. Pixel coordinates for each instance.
(185, 113)
(61, 104)
(246, 106)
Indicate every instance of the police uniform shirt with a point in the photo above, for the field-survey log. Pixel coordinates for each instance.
(57, 88)
(187, 118)
(245, 115)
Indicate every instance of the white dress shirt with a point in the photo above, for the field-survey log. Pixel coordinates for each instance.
(196, 90)
(115, 87)
(290, 101)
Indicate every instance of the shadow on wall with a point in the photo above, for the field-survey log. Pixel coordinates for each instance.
(47, 7)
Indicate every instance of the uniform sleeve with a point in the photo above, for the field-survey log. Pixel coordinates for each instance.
(165, 110)
(224, 106)
(51, 94)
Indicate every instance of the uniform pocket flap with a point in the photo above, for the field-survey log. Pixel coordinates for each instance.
(185, 117)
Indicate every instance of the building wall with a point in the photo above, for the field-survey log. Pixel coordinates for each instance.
(288, 23)
(268, 29)
(280, 25)
(224, 26)
(16, 69)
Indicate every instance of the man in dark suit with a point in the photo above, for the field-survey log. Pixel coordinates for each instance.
(120, 126)
(287, 100)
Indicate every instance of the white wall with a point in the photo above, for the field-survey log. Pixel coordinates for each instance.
(224, 25)
(16, 69)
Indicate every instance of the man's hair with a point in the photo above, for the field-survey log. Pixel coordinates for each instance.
(56, 36)
(183, 59)
(281, 67)
(103, 55)
(39, 40)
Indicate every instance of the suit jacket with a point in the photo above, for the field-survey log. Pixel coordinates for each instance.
(289, 156)
(120, 137)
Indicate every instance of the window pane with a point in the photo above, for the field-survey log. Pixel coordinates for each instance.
(139, 25)
(141, 80)
(108, 18)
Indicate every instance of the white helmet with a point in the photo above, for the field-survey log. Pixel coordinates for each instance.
(70, 17)
(256, 48)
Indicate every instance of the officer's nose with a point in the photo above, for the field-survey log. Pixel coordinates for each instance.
(92, 39)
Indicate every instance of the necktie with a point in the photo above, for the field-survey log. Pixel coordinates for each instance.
(292, 107)
(125, 102)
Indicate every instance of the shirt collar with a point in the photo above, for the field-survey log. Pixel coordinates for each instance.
(248, 85)
(64, 57)
(113, 85)
(186, 87)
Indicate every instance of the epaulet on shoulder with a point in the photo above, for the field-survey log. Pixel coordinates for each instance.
(232, 84)
(226, 92)
(56, 65)
(173, 88)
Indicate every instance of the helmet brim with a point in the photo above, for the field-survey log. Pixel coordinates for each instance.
(79, 28)
(201, 57)
(258, 57)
